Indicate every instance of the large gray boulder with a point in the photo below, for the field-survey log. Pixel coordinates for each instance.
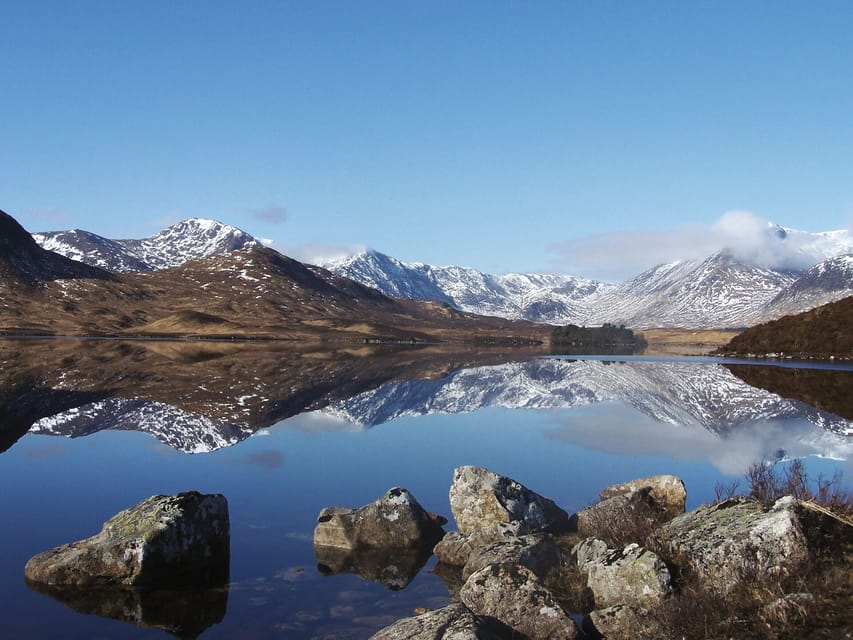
(164, 541)
(738, 539)
(456, 548)
(630, 576)
(453, 622)
(482, 498)
(394, 521)
(538, 552)
(513, 597)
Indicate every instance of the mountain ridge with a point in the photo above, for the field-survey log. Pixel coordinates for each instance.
(723, 290)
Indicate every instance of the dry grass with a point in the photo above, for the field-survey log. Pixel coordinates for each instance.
(812, 602)
(685, 341)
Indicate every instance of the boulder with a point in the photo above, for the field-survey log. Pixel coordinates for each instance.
(394, 521)
(482, 498)
(631, 576)
(537, 552)
(164, 541)
(622, 622)
(589, 551)
(738, 539)
(667, 493)
(514, 598)
(453, 622)
(456, 548)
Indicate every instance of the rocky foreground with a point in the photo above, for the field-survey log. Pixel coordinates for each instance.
(633, 565)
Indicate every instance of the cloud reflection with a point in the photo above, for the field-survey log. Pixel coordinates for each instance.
(619, 429)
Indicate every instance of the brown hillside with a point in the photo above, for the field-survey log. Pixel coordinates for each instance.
(823, 332)
(251, 293)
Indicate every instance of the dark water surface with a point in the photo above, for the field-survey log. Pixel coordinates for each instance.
(282, 432)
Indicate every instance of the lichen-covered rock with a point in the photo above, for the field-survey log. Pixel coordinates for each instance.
(456, 548)
(622, 622)
(631, 576)
(589, 550)
(394, 521)
(514, 597)
(738, 539)
(537, 552)
(667, 493)
(453, 622)
(164, 541)
(482, 498)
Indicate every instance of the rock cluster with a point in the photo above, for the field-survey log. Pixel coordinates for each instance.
(507, 559)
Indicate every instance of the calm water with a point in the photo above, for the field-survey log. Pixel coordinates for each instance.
(283, 433)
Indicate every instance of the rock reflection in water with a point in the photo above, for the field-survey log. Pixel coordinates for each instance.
(184, 613)
(393, 568)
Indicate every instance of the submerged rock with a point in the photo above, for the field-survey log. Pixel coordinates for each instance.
(184, 613)
(164, 541)
(481, 498)
(514, 598)
(394, 521)
(739, 539)
(453, 622)
(393, 568)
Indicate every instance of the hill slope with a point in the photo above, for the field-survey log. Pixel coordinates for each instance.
(252, 292)
(822, 332)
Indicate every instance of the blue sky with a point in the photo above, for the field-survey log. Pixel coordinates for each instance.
(506, 136)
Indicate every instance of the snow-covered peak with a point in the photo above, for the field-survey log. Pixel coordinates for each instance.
(187, 240)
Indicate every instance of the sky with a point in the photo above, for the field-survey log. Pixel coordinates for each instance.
(594, 138)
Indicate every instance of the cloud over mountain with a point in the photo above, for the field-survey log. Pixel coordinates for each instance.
(619, 254)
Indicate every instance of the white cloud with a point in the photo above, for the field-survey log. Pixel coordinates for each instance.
(316, 252)
(622, 254)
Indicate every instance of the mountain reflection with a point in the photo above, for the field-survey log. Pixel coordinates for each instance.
(201, 396)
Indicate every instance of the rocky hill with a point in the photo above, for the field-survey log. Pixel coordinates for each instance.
(823, 332)
(187, 240)
(252, 292)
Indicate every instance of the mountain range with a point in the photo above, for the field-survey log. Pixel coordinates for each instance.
(724, 289)
(252, 292)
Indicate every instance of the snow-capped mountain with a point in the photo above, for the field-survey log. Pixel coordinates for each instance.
(720, 291)
(676, 393)
(536, 297)
(726, 289)
(187, 240)
(828, 281)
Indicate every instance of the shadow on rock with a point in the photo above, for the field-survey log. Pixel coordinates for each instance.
(393, 568)
(184, 613)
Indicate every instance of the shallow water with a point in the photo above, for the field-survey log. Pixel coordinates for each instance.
(565, 428)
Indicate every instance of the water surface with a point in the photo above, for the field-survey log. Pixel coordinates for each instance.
(283, 432)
